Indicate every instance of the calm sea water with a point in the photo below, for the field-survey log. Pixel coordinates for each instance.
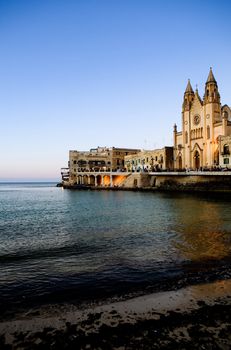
(75, 246)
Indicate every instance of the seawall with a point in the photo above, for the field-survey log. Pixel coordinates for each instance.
(170, 181)
(194, 181)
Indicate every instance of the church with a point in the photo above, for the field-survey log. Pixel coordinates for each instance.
(204, 124)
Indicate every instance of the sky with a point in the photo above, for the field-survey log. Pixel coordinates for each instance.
(77, 74)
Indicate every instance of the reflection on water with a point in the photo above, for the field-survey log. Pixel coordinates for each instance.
(202, 229)
(203, 245)
(88, 241)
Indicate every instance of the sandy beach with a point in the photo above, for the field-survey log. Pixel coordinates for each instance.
(189, 318)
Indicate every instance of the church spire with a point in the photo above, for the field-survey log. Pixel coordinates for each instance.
(188, 97)
(211, 89)
(189, 87)
(211, 78)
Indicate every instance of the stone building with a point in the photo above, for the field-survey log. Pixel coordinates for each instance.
(100, 159)
(224, 152)
(151, 160)
(204, 122)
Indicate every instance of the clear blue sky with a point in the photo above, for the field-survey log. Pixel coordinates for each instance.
(77, 74)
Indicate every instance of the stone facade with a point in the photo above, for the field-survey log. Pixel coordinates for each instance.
(118, 156)
(100, 159)
(150, 160)
(204, 122)
(204, 143)
(224, 152)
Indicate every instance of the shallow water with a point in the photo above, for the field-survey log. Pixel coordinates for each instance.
(59, 245)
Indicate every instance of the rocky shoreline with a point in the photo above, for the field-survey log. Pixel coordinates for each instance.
(192, 317)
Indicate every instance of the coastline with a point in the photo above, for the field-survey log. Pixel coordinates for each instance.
(161, 181)
(190, 317)
(164, 188)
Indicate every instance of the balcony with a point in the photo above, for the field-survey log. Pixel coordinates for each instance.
(65, 173)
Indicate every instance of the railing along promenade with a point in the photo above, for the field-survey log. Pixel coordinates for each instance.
(158, 173)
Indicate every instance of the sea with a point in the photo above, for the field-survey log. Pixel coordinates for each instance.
(82, 246)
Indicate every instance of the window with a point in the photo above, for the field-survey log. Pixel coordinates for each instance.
(226, 149)
(208, 132)
(196, 119)
(81, 162)
(156, 159)
(226, 160)
(186, 137)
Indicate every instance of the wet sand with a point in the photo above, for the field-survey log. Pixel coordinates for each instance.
(196, 317)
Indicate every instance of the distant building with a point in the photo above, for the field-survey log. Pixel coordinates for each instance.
(150, 160)
(204, 123)
(100, 159)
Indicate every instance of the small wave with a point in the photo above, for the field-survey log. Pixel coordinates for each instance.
(57, 252)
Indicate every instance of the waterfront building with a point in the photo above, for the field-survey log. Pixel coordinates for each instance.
(204, 143)
(224, 151)
(205, 123)
(100, 159)
(150, 160)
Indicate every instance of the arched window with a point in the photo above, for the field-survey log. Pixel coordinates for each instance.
(214, 94)
(186, 136)
(208, 132)
(226, 149)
